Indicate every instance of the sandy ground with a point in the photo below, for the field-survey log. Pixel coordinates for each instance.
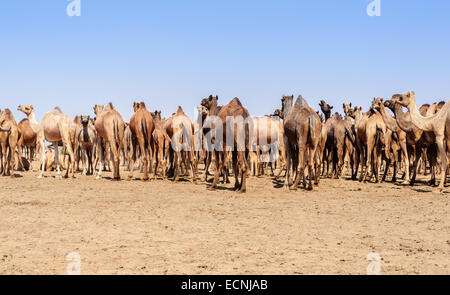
(165, 228)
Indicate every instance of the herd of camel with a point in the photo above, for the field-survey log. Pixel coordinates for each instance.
(305, 144)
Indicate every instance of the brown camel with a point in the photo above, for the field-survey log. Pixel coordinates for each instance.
(392, 125)
(181, 132)
(110, 128)
(28, 138)
(208, 111)
(141, 126)
(302, 130)
(417, 140)
(370, 135)
(9, 136)
(233, 133)
(439, 124)
(161, 146)
(86, 139)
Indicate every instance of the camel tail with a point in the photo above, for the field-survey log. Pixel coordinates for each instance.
(349, 134)
(378, 136)
(116, 132)
(312, 122)
(145, 132)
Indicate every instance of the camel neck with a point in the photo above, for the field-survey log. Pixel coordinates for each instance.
(388, 119)
(424, 123)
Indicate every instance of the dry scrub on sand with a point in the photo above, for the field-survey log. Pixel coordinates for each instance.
(180, 228)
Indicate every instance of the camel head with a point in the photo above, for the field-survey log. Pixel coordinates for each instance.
(377, 102)
(404, 99)
(356, 113)
(210, 101)
(286, 103)
(136, 106)
(156, 115)
(98, 109)
(27, 109)
(347, 107)
(278, 113)
(6, 114)
(390, 105)
(85, 120)
(326, 108)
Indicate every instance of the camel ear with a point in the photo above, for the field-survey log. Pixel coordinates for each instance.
(350, 104)
(331, 107)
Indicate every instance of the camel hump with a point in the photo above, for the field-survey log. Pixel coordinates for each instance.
(109, 106)
(301, 102)
(236, 101)
(58, 110)
(180, 111)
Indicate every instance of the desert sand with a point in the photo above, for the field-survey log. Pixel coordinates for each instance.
(160, 227)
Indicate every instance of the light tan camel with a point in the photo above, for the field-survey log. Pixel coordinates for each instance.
(142, 127)
(267, 137)
(9, 136)
(439, 124)
(181, 132)
(54, 127)
(127, 146)
(110, 129)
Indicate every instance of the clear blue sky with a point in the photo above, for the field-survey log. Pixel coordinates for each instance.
(170, 53)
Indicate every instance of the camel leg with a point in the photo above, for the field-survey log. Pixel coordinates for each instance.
(243, 164)
(370, 146)
(288, 164)
(4, 160)
(218, 162)
(235, 170)
(404, 148)
(300, 167)
(156, 160)
(43, 160)
(100, 158)
(208, 162)
(144, 158)
(58, 170)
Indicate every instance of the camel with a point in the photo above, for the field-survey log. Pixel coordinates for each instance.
(161, 145)
(54, 127)
(232, 134)
(28, 138)
(110, 129)
(9, 136)
(417, 140)
(141, 126)
(392, 125)
(267, 135)
(370, 135)
(86, 138)
(207, 115)
(181, 132)
(302, 130)
(127, 146)
(438, 124)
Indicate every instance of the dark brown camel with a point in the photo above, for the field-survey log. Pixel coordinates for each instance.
(233, 134)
